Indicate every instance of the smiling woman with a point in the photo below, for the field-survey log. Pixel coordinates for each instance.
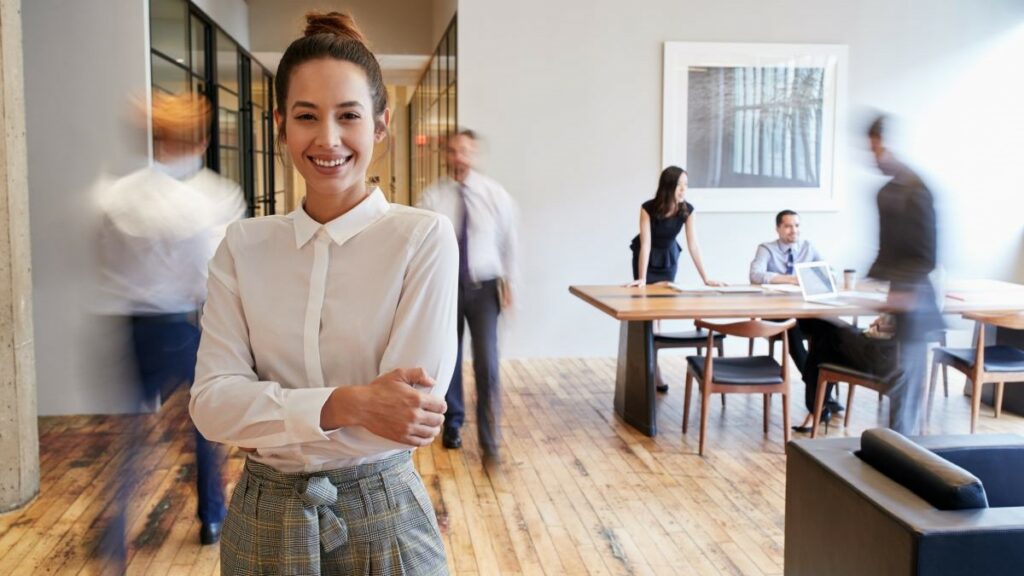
(329, 340)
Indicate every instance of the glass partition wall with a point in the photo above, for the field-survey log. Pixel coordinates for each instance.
(433, 115)
(189, 52)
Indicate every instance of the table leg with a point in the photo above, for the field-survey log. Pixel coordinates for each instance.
(634, 380)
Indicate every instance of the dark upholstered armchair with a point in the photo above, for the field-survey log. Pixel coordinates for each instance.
(886, 505)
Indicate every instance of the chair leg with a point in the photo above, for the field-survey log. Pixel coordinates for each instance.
(998, 400)
(932, 380)
(945, 367)
(850, 387)
(819, 403)
(975, 405)
(785, 418)
(659, 384)
(704, 401)
(721, 352)
(767, 407)
(686, 400)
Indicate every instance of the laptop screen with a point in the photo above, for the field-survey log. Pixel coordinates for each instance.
(815, 279)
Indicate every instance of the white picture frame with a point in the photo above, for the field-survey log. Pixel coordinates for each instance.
(762, 124)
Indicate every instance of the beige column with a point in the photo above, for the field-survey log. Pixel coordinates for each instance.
(19, 435)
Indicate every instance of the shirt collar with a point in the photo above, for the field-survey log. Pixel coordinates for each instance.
(344, 227)
(784, 246)
(180, 169)
(472, 181)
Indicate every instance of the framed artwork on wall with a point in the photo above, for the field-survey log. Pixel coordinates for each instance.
(758, 127)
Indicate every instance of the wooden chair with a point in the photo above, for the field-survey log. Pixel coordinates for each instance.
(983, 364)
(739, 375)
(687, 339)
(834, 374)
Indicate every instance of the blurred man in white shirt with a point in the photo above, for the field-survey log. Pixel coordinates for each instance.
(483, 215)
(160, 227)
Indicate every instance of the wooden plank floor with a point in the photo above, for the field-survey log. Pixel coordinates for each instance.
(578, 492)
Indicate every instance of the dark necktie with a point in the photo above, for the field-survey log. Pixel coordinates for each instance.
(789, 262)
(463, 233)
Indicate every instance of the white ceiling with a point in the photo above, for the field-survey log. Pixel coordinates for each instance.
(400, 31)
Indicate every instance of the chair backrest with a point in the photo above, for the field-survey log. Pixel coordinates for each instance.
(1012, 321)
(999, 467)
(747, 328)
(937, 480)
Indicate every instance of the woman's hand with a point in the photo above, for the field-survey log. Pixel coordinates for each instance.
(714, 283)
(393, 406)
(637, 283)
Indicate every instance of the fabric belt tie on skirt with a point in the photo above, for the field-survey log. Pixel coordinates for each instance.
(310, 524)
(316, 495)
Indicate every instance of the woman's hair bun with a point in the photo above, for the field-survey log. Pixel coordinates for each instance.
(335, 23)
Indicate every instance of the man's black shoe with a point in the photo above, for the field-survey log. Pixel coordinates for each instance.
(451, 439)
(209, 533)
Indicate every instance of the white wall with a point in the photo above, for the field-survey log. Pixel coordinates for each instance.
(82, 61)
(568, 95)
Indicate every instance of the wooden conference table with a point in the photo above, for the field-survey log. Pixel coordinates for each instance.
(638, 308)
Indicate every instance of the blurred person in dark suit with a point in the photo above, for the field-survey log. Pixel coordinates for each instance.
(907, 255)
(895, 346)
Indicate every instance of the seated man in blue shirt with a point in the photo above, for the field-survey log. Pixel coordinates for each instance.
(775, 263)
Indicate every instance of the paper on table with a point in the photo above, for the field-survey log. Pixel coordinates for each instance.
(740, 289)
(787, 288)
(691, 287)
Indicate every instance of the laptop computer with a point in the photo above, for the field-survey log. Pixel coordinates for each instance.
(817, 283)
(819, 287)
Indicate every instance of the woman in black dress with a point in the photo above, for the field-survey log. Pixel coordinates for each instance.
(655, 250)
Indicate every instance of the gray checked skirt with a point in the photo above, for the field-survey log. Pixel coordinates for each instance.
(369, 519)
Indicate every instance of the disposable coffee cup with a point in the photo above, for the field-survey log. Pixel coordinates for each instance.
(849, 279)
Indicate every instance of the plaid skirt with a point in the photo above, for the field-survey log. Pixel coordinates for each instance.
(369, 519)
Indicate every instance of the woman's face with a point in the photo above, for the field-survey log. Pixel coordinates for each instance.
(329, 125)
(681, 188)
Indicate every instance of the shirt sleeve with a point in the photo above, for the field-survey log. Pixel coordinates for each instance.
(423, 334)
(814, 254)
(229, 403)
(924, 242)
(759, 273)
(509, 240)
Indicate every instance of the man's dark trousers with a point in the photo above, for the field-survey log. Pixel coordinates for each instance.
(479, 308)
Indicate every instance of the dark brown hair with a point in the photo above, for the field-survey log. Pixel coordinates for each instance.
(334, 36)
(665, 203)
(468, 133)
(783, 214)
